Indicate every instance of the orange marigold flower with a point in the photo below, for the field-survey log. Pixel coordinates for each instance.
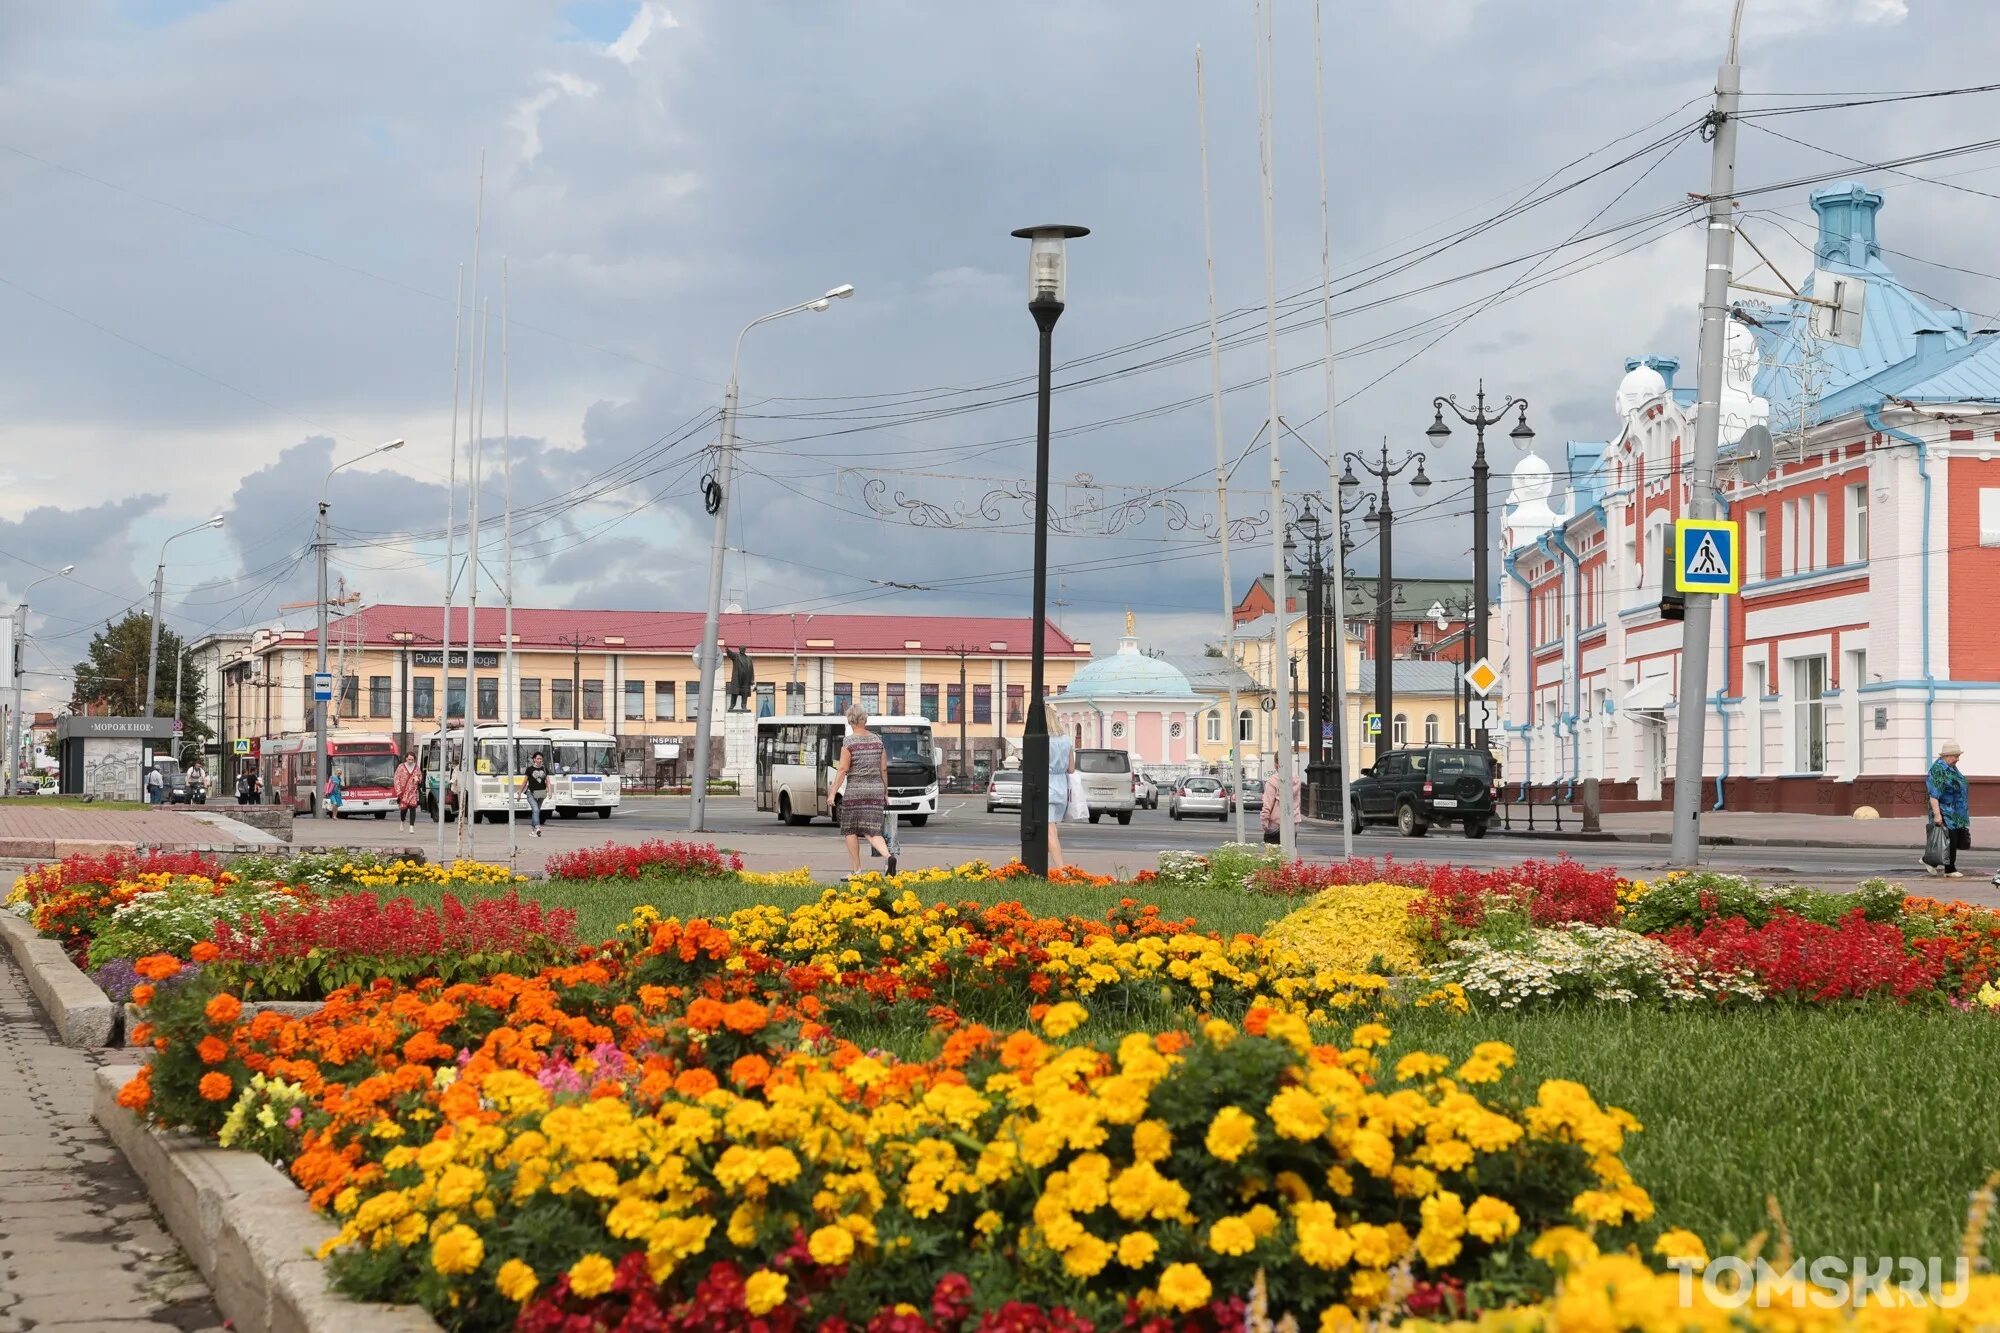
(136, 1093)
(746, 1016)
(1171, 1043)
(695, 1083)
(206, 951)
(213, 1050)
(752, 1071)
(141, 1034)
(1020, 1050)
(143, 993)
(224, 1009)
(157, 966)
(215, 1087)
(705, 1015)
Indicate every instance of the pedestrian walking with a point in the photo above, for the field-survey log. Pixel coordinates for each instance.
(536, 782)
(156, 786)
(1951, 813)
(862, 784)
(408, 784)
(333, 795)
(1062, 780)
(1268, 816)
(246, 790)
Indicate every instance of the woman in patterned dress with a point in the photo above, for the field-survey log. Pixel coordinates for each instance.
(862, 783)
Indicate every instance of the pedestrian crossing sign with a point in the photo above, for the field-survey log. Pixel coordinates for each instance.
(1707, 555)
(1373, 724)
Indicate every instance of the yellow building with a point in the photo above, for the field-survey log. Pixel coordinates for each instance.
(632, 675)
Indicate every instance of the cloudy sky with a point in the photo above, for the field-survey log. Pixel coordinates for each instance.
(235, 229)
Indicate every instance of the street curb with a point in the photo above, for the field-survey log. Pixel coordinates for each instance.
(82, 1013)
(54, 849)
(246, 1227)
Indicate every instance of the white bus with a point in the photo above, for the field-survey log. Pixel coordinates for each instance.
(796, 757)
(583, 771)
(489, 769)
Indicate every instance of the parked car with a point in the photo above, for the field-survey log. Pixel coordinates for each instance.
(1107, 783)
(1145, 792)
(1251, 795)
(1200, 797)
(1432, 784)
(1004, 790)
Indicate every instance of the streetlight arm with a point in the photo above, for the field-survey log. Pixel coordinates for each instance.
(1476, 419)
(358, 458)
(817, 303)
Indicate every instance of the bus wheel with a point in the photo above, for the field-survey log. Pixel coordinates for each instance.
(381, 814)
(567, 814)
(918, 821)
(604, 812)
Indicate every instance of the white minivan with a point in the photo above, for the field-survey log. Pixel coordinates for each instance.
(1107, 783)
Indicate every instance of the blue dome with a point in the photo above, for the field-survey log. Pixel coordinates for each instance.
(1128, 674)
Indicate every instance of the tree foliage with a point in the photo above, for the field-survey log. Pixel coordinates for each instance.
(111, 680)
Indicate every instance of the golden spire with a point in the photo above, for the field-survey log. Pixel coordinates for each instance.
(1131, 624)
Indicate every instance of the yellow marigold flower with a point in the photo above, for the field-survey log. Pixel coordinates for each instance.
(1232, 1133)
(1064, 1018)
(1219, 1032)
(458, 1250)
(1563, 1246)
(764, 1291)
(1136, 1249)
(591, 1275)
(1185, 1287)
(1374, 1247)
(1152, 1141)
(1371, 1034)
(1371, 1149)
(988, 1222)
(631, 1218)
(1296, 1114)
(1477, 1070)
(1605, 1207)
(1499, 1052)
(1680, 1247)
(831, 1245)
(1087, 1257)
(1492, 1219)
(1340, 1180)
(516, 1281)
(1338, 1319)
(1420, 1065)
(1232, 1235)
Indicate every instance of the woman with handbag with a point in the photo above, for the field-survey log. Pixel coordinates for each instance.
(1062, 792)
(1268, 814)
(1950, 816)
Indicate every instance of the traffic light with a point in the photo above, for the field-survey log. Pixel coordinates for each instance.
(1673, 602)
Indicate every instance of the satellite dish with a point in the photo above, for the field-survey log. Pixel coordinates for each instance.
(1844, 297)
(1753, 463)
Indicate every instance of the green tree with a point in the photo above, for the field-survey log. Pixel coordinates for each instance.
(112, 679)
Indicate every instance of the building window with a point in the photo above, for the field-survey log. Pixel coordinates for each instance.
(1753, 546)
(663, 701)
(1214, 727)
(454, 698)
(1298, 729)
(1989, 516)
(1017, 698)
(982, 704)
(531, 697)
(871, 699)
(898, 697)
(562, 703)
(350, 696)
(378, 696)
(593, 701)
(843, 697)
(1855, 551)
(1809, 714)
(927, 700)
(423, 696)
(693, 700)
(489, 698)
(795, 697)
(635, 701)
(1401, 734)
(1245, 724)
(954, 703)
(767, 698)
(1431, 729)
(1819, 531)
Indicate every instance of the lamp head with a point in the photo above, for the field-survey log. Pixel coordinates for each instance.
(1438, 432)
(393, 444)
(215, 522)
(1047, 277)
(819, 305)
(1421, 482)
(1348, 481)
(1521, 435)
(66, 571)
(840, 293)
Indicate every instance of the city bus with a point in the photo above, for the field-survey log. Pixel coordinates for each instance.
(490, 766)
(365, 763)
(796, 758)
(583, 771)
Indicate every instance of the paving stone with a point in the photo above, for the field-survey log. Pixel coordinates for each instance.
(80, 1247)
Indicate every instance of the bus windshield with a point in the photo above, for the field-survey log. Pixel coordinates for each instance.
(365, 770)
(600, 757)
(567, 757)
(907, 745)
(493, 757)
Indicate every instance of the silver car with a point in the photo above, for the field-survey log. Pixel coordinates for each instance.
(1199, 796)
(1004, 790)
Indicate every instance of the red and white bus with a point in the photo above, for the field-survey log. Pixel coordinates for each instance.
(366, 765)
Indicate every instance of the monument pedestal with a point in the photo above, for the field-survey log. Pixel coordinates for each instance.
(739, 748)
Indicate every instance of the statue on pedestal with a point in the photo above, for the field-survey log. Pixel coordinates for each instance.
(742, 679)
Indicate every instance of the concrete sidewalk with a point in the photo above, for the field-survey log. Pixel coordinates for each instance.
(1742, 828)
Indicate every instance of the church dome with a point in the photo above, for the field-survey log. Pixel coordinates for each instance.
(1128, 674)
(1641, 384)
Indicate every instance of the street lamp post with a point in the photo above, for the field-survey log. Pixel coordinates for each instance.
(159, 583)
(322, 764)
(1047, 288)
(1523, 437)
(17, 742)
(403, 639)
(1323, 762)
(715, 492)
(1384, 519)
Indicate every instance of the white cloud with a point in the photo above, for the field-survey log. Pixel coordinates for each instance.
(527, 117)
(650, 19)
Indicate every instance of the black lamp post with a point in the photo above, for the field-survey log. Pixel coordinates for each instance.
(1046, 289)
(1523, 437)
(1380, 514)
(1323, 754)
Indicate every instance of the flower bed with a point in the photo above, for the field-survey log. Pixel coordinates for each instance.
(674, 1134)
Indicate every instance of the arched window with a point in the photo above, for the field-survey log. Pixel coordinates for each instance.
(1243, 726)
(1215, 725)
(1431, 729)
(1401, 734)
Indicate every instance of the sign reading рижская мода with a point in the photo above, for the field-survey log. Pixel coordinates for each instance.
(435, 657)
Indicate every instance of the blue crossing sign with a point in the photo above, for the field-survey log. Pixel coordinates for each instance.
(1707, 555)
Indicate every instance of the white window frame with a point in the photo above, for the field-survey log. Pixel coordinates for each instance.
(1788, 539)
(1399, 731)
(1808, 712)
(1433, 730)
(1989, 515)
(1855, 536)
(1753, 546)
(1819, 526)
(1215, 726)
(1754, 690)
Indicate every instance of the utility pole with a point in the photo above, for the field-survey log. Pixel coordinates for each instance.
(1688, 758)
(964, 716)
(576, 644)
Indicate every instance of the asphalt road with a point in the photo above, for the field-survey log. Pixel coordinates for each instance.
(964, 824)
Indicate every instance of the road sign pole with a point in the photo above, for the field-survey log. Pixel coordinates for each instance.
(1690, 751)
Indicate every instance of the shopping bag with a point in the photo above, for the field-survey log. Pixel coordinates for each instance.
(1077, 809)
(1937, 844)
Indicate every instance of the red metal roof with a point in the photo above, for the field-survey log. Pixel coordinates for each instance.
(825, 633)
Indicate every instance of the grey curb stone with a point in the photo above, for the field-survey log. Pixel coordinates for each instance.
(245, 1226)
(82, 1013)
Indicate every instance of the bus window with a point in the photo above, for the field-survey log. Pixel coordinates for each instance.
(568, 757)
(906, 745)
(601, 757)
(365, 770)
